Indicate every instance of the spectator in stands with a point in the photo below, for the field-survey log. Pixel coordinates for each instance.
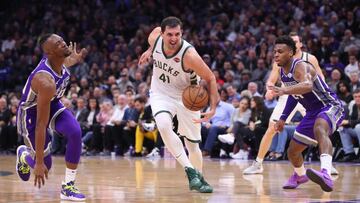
(352, 66)
(354, 80)
(351, 129)
(217, 125)
(344, 91)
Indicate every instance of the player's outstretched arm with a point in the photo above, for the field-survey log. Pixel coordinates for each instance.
(145, 57)
(75, 56)
(193, 61)
(44, 86)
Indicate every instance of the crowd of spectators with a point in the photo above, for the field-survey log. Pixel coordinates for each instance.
(108, 90)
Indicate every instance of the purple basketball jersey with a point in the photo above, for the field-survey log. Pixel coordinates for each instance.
(321, 102)
(27, 106)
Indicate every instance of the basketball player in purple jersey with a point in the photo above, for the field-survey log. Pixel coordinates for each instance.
(324, 113)
(40, 110)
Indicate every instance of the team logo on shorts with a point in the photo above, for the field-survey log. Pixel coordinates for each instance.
(176, 59)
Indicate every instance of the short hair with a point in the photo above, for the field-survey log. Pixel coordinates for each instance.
(140, 99)
(357, 90)
(42, 39)
(288, 41)
(171, 22)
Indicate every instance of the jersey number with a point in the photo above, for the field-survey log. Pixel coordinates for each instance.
(164, 78)
(298, 96)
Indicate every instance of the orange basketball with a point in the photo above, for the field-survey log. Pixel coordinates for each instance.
(195, 97)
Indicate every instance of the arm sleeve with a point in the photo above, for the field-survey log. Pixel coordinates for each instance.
(290, 105)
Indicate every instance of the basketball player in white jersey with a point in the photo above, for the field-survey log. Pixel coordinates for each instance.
(256, 167)
(176, 65)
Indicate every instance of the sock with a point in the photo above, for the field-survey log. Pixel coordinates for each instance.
(326, 162)
(69, 175)
(300, 171)
(259, 160)
(195, 155)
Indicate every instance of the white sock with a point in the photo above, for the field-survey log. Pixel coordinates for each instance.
(259, 160)
(300, 171)
(195, 155)
(70, 175)
(171, 140)
(326, 162)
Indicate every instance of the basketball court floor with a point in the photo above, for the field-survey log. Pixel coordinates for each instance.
(106, 179)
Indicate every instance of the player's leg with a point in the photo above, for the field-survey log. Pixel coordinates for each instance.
(66, 124)
(195, 155)
(25, 154)
(173, 143)
(295, 157)
(322, 131)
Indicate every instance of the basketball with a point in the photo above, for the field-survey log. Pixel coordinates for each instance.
(195, 97)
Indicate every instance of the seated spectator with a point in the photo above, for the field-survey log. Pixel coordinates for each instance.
(351, 129)
(231, 92)
(105, 113)
(88, 126)
(252, 133)
(353, 65)
(217, 125)
(145, 126)
(354, 80)
(113, 129)
(253, 88)
(81, 114)
(344, 91)
(239, 118)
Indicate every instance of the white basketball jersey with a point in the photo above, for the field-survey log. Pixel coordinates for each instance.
(169, 76)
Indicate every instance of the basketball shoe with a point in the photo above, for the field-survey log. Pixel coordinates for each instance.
(197, 181)
(321, 178)
(22, 168)
(255, 168)
(70, 192)
(295, 180)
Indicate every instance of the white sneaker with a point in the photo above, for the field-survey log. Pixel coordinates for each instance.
(334, 171)
(155, 153)
(255, 168)
(222, 153)
(240, 155)
(227, 138)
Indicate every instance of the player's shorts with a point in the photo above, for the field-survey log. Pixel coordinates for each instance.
(279, 108)
(187, 128)
(304, 132)
(26, 122)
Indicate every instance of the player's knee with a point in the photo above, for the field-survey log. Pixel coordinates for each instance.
(291, 153)
(320, 131)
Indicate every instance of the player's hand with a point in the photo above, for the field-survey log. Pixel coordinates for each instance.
(269, 95)
(40, 170)
(279, 125)
(277, 91)
(344, 122)
(75, 56)
(145, 57)
(205, 116)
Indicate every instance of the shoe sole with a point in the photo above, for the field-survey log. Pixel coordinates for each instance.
(253, 173)
(63, 197)
(318, 180)
(17, 162)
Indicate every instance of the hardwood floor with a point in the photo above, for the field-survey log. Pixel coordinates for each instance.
(103, 179)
